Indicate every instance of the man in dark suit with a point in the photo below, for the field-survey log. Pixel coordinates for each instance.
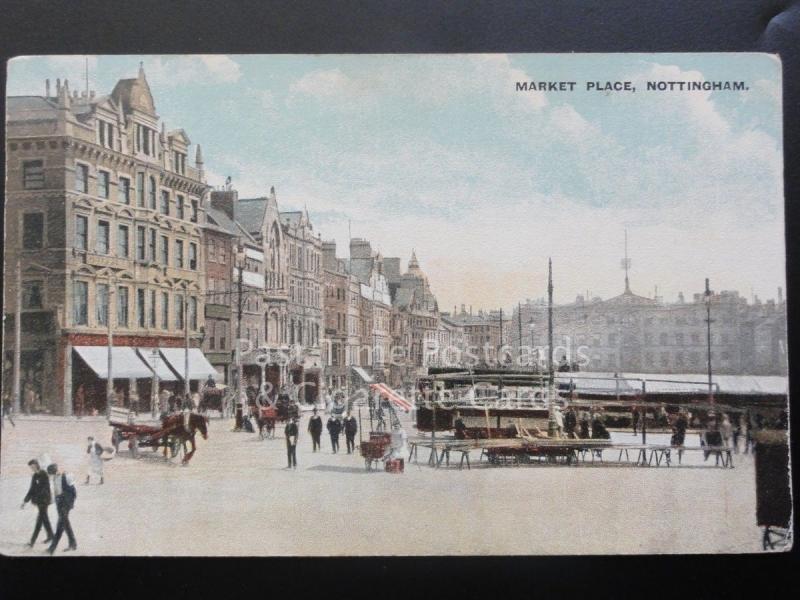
(65, 493)
(291, 432)
(315, 429)
(350, 430)
(334, 428)
(39, 495)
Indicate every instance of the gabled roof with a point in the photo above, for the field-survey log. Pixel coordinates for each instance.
(219, 220)
(404, 297)
(134, 94)
(292, 217)
(628, 298)
(179, 134)
(250, 213)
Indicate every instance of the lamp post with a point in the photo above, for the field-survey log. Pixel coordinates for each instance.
(186, 383)
(240, 400)
(110, 341)
(552, 426)
(707, 299)
(154, 394)
(18, 339)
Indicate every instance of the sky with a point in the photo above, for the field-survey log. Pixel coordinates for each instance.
(441, 154)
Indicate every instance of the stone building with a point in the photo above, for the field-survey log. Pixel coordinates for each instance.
(479, 335)
(104, 215)
(414, 320)
(367, 267)
(632, 333)
(293, 302)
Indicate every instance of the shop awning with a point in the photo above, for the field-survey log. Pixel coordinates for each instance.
(163, 371)
(199, 367)
(363, 374)
(125, 363)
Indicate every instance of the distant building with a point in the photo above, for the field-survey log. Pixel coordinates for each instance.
(632, 333)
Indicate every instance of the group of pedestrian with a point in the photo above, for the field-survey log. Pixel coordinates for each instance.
(335, 427)
(47, 485)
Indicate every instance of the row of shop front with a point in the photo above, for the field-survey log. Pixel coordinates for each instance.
(135, 371)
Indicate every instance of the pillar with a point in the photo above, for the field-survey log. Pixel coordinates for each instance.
(66, 362)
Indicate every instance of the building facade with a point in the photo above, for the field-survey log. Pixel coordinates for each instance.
(105, 216)
(632, 333)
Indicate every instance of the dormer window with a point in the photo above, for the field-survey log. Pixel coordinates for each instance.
(105, 134)
(179, 162)
(145, 140)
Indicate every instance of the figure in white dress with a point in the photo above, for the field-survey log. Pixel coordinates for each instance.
(95, 452)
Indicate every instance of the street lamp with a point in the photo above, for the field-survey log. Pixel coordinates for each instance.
(240, 394)
(154, 393)
(707, 300)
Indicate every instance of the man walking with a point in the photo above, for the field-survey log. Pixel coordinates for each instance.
(39, 495)
(315, 429)
(334, 428)
(7, 411)
(290, 432)
(65, 493)
(95, 451)
(350, 430)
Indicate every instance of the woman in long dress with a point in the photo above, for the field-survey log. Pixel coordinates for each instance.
(95, 452)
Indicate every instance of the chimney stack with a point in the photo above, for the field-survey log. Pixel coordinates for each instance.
(58, 85)
(46, 88)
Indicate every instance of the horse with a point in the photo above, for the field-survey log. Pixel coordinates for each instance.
(174, 425)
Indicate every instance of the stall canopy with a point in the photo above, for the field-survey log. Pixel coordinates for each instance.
(388, 393)
(125, 363)
(199, 367)
(160, 366)
(363, 374)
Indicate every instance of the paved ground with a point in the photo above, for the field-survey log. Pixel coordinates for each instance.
(236, 499)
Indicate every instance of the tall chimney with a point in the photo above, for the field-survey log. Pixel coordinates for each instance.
(46, 88)
(780, 295)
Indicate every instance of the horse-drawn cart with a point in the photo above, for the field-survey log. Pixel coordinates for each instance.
(171, 433)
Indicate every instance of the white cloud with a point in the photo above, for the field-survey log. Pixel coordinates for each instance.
(171, 71)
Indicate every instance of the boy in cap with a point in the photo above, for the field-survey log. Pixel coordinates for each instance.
(65, 493)
(291, 432)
